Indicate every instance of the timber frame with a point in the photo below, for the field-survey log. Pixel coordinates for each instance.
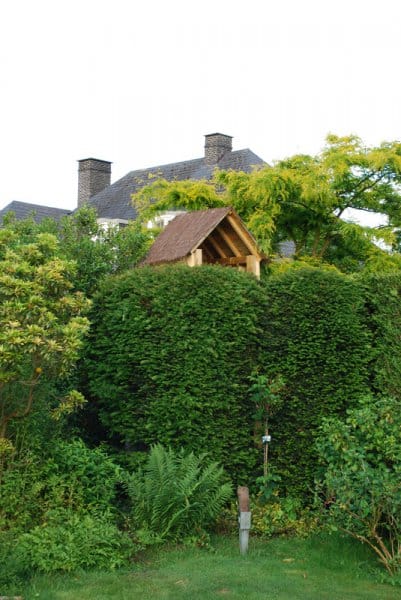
(214, 236)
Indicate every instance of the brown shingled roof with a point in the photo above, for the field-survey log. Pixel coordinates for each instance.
(186, 232)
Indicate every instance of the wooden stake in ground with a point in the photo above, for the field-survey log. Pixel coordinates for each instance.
(244, 518)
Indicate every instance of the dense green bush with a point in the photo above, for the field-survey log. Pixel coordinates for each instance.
(383, 302)
(177, 494)
(69, 541)
(59, 510)
(13, 570)
(169, 357)
(71, 477)
(314, 336)
(362, 479)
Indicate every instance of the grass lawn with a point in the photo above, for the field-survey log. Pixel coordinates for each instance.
(319, 568)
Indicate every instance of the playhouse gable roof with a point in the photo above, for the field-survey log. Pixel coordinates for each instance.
(190, 231)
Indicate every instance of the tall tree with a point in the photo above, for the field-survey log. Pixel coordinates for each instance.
(302, 198)
(96, 250)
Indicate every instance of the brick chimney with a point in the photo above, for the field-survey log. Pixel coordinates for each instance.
(93, 176)
(216, 146)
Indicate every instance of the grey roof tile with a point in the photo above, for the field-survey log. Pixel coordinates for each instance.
(23, 210)
(114, 202)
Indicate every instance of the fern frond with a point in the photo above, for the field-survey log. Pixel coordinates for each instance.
(177, 493)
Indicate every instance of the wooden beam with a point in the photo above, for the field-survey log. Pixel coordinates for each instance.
(232, 260)
(207, 251)
(217, 246)
(244, 235)
(228, 241)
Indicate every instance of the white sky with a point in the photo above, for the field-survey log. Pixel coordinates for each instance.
(140, 83)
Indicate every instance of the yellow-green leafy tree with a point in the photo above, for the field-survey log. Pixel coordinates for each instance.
(304, 199)
(42, 325)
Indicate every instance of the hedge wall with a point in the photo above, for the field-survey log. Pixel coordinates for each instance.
(169, 357)
(171, 350)
(383, 302)
(314, 335)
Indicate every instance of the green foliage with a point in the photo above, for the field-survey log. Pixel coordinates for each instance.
(302, 198)
(72, 477)
(131, 243)
(383, 295)
(97, 250)
(173, 195)
(346, 174)
(44, 268)
(362, 481)
(282, 516)
(58, 511)
(68, 541)
(89, 246)
(177, 494)
(314, 335)
(13, 572)
(273, 513)
(169, 357)
(265, 393)
(42, 322)
(81, 479)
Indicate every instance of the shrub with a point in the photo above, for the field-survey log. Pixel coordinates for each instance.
(273, 514)
(20, 488)
(177, 494)
(69, 541)
(168, 360)
(41, 325)
(362, 481)
(71, 477)
(13, 571)
(314, 336)
(282, 516)
(58, 512)
(80, 478)
(382, 297)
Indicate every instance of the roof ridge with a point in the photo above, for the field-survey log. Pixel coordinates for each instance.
(30, 204)
(181, 162)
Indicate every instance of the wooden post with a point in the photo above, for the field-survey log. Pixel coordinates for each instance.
(244, 518)
(195, 258)
(253, 265)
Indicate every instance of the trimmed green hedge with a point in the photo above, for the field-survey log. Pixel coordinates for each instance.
(170, 353)
(171, 350)
(314, 335)
(383, 302)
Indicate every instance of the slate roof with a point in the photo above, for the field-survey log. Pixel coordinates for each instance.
(22, 210)
(185, 233)
(114, 202)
